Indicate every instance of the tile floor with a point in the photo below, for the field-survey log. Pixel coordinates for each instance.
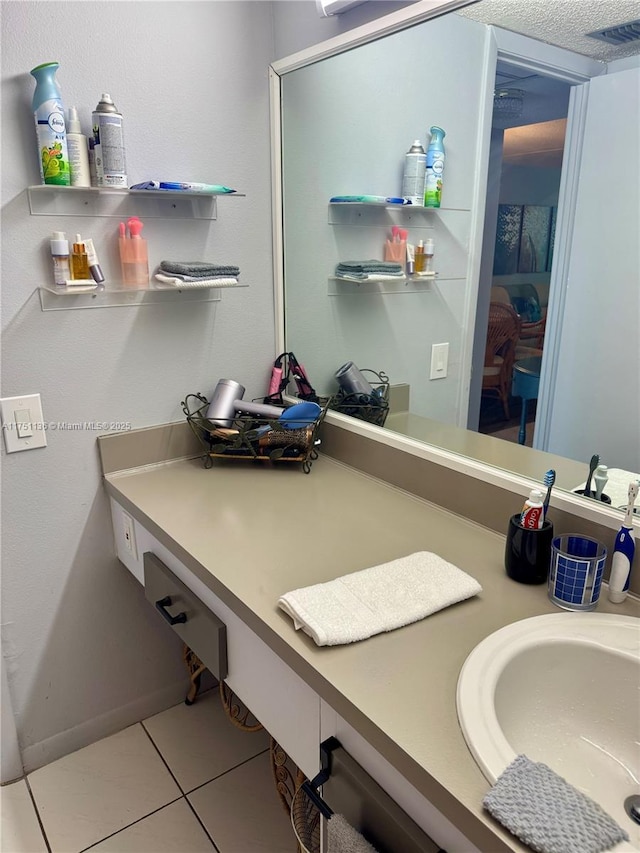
(183, 781)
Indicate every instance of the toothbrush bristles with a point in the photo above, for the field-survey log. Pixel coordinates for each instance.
(550, 477)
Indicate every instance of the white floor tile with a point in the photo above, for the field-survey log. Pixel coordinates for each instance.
(19, 828)
(199, 742)
(173, 829)
(242, 811)
(96, 791)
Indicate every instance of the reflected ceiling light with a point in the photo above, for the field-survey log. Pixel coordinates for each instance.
(508, 103)
(335, 7)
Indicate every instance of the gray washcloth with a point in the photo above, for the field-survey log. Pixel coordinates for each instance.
(547, 813)
(343, 838)
(197, 269)
(370, 266)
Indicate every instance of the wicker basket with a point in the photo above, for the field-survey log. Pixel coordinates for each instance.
(305, 820)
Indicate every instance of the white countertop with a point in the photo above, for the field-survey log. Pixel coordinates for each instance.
(252, 533)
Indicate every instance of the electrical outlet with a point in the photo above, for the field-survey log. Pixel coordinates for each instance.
(129, 534)
(439, 361)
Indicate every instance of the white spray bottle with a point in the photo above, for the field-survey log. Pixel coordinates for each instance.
(623, 552)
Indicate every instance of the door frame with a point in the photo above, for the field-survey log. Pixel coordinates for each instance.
(576, 70)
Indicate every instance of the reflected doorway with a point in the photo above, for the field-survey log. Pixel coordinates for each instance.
(525, 167)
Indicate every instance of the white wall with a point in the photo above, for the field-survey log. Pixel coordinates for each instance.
(600, 346)
(85, 653)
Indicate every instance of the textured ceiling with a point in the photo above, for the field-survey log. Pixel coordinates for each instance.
(562, 22)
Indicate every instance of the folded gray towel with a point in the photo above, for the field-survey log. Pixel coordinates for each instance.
(198, 269)
(370, 266)
(343, 838)
(547, 813)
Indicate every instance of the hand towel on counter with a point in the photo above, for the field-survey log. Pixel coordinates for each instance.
(547, 813)
(343, 838)
(381, 598)
(186, 281)
(198, 269)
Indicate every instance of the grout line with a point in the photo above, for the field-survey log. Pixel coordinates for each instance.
(206, 831)
(230, 770)
(133, 823)
(35, 806)
(162, 757)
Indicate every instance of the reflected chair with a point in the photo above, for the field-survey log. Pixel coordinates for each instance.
(503, 332)
(524, 299)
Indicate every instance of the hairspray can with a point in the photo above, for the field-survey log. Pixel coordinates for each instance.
(108, 140)
(415, 172)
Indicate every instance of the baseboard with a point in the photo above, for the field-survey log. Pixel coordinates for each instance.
(38, 754)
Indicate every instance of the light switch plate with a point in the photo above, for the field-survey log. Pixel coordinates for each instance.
(22, 423)
(439, 361)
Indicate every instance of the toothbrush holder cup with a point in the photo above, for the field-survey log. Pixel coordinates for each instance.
(575, 573)
(591, 494)
(527, 553)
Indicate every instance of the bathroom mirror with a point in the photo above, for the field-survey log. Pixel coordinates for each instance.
(347, 116)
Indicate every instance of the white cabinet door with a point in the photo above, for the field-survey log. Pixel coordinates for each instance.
(285, 705)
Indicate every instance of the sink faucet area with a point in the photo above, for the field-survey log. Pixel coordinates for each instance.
(562, 689)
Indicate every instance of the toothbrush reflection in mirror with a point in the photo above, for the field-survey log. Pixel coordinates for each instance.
(595, 459)
(601, 479)
(549, 480)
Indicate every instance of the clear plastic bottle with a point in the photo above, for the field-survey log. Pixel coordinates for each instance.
(51, 130)
(60, 255)
(413, 178)
(78, 151)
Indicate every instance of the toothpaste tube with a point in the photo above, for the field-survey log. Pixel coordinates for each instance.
(532, 516)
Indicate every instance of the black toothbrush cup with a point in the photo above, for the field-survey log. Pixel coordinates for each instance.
(527, 555)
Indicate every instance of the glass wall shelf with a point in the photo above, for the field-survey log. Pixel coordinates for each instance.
(372, 286)
(361, 213)
(50, 200)
(114, 294)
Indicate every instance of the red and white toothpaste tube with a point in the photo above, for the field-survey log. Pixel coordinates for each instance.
(532, 516)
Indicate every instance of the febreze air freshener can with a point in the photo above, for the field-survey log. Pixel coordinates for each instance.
(51, 131)
(108, 139)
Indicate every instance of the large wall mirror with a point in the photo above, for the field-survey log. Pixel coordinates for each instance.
(540, 211)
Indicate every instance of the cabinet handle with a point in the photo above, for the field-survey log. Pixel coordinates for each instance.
(165, 602)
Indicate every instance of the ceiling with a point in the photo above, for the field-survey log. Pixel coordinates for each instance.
(564, 23)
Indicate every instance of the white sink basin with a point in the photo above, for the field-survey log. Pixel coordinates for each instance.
(563, 689)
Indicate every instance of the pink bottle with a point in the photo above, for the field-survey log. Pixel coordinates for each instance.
(134, 259)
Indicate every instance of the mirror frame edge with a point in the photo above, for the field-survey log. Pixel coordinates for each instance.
(419, 12)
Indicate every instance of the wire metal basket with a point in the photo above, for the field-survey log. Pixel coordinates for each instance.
(372, 408)
(252, 438)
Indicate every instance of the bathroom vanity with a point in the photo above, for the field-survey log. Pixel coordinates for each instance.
(239, 536)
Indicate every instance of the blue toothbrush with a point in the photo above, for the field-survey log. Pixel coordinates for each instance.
(549, 480)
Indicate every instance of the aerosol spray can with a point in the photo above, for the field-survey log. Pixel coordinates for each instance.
(108, 138)
(51, 131)
(415, 171)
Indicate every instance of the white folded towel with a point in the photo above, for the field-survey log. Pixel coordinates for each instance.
(214, 281)
(381, 598)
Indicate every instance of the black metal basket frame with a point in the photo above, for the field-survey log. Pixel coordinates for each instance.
(242, 441)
